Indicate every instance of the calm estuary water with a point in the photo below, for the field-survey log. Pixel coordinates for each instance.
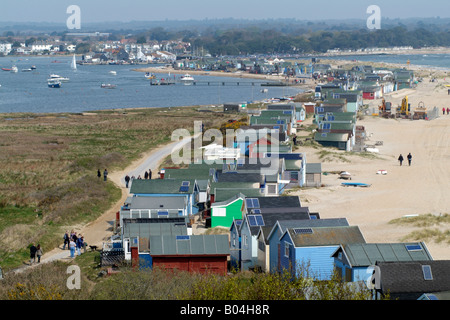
(29, 92)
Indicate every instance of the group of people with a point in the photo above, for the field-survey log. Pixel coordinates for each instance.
(105, 174)
(409, 157)
(147, 175)
(443, 110)
(74, 242)
(35, 252)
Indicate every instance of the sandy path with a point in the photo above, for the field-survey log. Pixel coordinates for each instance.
(100, 230)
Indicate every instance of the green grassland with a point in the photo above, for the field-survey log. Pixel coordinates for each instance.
(49, 162)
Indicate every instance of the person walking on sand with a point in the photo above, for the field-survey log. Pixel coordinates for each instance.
(33, 250)
(443, 110)
(146, 175)
(400, 159)
(98, 173)
(409, 156)
(105, 175)
(39, 253)
(150, 174)
(127, 180)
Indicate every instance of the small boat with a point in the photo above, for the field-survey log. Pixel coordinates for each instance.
(108, 86)
(372, 150)
(113, 72)
(6, 69)
(58, 77)
(53, 83)
(27, 70)
(345, 175)
(14, 69)
(33, 68)
(187, 79)
(149, 75)
(73, 65)
(355, 184)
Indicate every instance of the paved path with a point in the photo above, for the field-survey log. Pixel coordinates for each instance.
(100, 230)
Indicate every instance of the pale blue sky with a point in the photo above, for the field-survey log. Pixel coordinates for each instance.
(151, 10)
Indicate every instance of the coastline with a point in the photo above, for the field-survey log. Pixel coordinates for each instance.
(371, 209)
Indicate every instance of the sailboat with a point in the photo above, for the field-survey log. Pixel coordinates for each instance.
(74, 63)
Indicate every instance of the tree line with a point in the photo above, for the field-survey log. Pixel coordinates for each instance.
(251, 41)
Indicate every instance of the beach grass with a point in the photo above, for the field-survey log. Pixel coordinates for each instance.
(430, 227)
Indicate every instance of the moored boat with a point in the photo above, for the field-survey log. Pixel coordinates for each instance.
(345, 175)
(53, 83)
(108, 86)
(187, 79)
(73, 65)
(58, 78)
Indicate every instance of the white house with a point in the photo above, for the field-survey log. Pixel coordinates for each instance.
(167, 55)
(71, 47)
(40, 47)
(5, 48)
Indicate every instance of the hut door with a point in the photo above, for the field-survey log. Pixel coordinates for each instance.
(134, 256)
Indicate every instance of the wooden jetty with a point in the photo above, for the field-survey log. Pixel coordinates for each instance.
(161, 82)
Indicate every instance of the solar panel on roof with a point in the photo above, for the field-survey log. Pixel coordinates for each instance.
(251, 221)
(255, 220)
(185, 183)
(259, 220)
(184, 189)
(303, 231)
(427, 272)
(413, 247)
(255, 203)
(183, 237)
(163, 213)
(249, 202)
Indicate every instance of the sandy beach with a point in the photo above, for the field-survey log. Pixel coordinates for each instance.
(405, 190)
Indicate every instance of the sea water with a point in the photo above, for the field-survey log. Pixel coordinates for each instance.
(435, 61)
(29, 92)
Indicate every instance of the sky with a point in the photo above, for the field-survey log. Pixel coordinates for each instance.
(157, 10)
